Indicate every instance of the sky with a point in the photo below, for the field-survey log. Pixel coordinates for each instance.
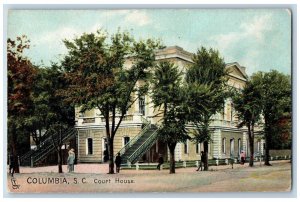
(259, 39)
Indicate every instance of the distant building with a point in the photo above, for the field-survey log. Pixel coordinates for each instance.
(142, 144)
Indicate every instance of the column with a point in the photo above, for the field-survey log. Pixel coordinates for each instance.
(216, 150)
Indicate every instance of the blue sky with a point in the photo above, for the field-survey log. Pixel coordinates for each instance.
(259, 39)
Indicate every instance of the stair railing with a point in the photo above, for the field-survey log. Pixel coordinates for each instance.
(133, 140)
(48, 146)
(147, 144)
(28, 154)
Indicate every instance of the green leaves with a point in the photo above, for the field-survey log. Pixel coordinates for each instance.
(206, 90)
(276, 92)
(168, 95)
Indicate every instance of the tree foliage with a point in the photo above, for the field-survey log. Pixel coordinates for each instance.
(276, 108)
(98, 76)
(248, 104)
(21, 76)
(169, 98)
(206, 86)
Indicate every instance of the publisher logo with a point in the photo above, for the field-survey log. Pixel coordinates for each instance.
(14, 183)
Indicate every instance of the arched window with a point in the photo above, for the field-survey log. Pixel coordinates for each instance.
(224, 145)
(239, 146)
(231, 146)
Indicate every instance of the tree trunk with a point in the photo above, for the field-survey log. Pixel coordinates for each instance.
(15, 151)
(205, 144)
(251, 142)
(172, 157)
(110, 144)
(59, 159)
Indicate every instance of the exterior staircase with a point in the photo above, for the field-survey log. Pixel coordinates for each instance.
(46, 147)
(139, 145)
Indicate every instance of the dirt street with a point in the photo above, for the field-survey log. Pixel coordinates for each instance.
(93, 178)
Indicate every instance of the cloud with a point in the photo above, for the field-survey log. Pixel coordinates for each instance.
(245, 44)
(137, 17)
(253, 30)
(58, 35)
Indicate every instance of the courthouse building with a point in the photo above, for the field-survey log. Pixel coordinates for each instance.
(136, 138)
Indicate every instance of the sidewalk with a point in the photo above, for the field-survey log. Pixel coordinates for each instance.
(103, 168)
(92, 178)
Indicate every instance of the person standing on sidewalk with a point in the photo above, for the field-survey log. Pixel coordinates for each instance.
(243, 158)
(231, 160)
(201, 161)
(160, 161)
(71, 160)
(118, 161)
(11, 165)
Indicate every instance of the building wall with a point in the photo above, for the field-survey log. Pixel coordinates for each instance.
(235, 136)
(98, 136)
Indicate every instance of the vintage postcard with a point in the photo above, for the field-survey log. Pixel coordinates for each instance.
(149, 100)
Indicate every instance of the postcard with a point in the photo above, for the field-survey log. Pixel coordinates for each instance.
(149, 100)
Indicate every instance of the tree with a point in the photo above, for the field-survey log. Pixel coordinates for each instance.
(275, 89)
(248, 104)
(94, 68)
(21, 75)
(168, 97)
(48, 106)
(206, 86)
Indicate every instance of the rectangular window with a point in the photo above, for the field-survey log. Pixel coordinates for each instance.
(258, 147)
(125, 140)
(89, 146)
(197, 148)
(186, 147)
(142, 105)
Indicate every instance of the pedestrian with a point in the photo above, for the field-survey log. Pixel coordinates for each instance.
(105, 154)
(71, 160)
(231, 160)
(118, 161)
(201, 163)
(11, 165)
(160, 161)
(243, 158)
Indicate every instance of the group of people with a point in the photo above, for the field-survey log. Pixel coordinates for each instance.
(118, 160)
(242, 160)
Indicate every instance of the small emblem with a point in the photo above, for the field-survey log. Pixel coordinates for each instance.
(14, 183)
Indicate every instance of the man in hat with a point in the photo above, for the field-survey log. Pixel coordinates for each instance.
(160, 161)
(201, 163)
(118, 161)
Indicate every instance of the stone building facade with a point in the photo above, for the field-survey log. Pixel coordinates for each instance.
(227, 139)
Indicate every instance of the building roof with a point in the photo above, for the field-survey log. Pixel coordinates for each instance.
(179, 52)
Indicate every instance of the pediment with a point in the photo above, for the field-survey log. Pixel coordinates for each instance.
(236, 70)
